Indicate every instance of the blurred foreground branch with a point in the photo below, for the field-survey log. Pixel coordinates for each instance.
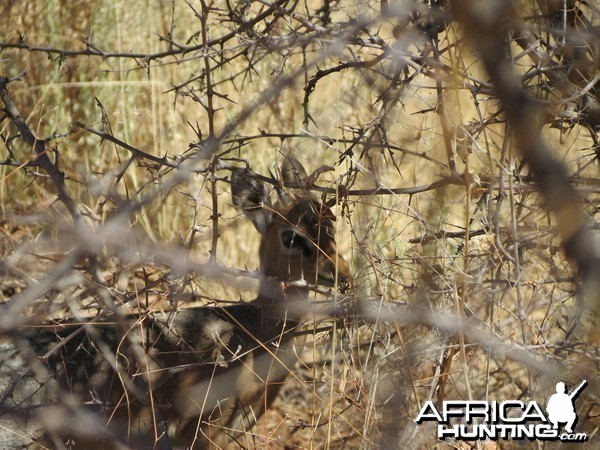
(482, 21)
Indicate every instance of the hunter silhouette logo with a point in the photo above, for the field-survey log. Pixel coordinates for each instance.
(471, 420)
(560, 406)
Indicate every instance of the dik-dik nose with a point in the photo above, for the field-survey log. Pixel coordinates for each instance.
(334, 270)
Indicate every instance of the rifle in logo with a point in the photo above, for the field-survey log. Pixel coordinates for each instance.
(579, 388)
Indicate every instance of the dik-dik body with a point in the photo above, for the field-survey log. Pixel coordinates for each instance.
(193, 378)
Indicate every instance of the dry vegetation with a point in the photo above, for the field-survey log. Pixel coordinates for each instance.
(467, 211)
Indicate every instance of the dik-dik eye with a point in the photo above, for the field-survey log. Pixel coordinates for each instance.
(296, 243)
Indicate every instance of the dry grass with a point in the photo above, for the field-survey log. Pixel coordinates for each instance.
(485, 251)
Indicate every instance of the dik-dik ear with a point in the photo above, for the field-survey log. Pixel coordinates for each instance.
(294, 175)
(291, 175)
(251, 196)
(293, 172)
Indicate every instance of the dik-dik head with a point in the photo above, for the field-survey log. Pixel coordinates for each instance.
(297, 229)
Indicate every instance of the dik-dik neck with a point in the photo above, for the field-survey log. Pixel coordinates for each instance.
(285, 299)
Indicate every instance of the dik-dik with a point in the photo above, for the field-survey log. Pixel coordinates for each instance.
(193, 378)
